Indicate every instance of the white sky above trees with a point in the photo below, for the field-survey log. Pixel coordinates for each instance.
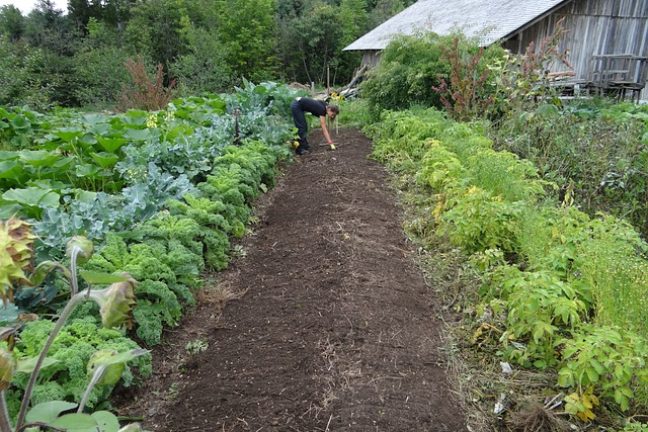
(27, 5)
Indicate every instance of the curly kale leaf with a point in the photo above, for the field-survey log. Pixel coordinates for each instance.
(207, 212)
(139, 260)
(165, 226)
(149, 321)
(159, 293)
(72, 348)
(154, 265)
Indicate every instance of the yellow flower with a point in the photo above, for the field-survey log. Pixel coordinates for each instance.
(151, 121)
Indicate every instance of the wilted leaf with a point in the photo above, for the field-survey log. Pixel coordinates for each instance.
(115, 302)
(7, 368)
(82, 244)
(43, 269)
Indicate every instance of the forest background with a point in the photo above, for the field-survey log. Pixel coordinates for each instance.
(76, 58)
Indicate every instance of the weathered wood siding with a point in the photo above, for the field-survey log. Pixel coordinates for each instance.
(593, 27)
(370, 58)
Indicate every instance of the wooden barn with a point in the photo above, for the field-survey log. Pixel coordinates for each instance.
(606, 40)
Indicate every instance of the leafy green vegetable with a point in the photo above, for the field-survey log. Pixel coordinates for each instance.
(72, 350)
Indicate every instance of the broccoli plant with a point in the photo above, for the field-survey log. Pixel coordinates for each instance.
(115, 303)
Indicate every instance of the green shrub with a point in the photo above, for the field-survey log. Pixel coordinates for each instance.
(464, 139)
(560, 282)
(598, 153)
(400, 140)
(441, 169)
(409, 67)
(477, 220)
(504, 174)
(203, 68)
(551, 238)
(609, 359)
(604, 254)
(539, 307)
(433, 71)
(471, 88)
(353, 112)
(101, 74)
(633, 426)
(23, 82)
(613, 262)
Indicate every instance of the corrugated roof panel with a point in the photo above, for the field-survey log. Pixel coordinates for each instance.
(488, 20)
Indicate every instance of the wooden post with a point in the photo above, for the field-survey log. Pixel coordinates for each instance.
(328, 80)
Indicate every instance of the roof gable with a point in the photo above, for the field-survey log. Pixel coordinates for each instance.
(489, 20)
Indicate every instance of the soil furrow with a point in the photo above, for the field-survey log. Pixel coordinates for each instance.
(337, 329)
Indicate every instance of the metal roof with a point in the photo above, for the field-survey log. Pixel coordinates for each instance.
(489, 20)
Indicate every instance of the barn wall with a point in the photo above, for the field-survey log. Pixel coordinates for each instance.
(370, 58)
(594, 27)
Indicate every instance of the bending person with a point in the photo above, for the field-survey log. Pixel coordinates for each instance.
(299, 108)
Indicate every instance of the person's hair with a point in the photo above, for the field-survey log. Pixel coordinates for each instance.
(334, 108)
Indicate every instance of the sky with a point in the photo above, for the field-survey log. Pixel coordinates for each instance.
(27, 5)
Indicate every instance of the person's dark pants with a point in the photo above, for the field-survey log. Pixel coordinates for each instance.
(300, 122)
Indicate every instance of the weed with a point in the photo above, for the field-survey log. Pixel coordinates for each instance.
(173, 392)
(196, 346)
(144, 92)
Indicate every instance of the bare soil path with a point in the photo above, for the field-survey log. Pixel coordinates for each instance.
(337, 330)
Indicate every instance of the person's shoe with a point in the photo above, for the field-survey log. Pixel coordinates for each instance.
(302, 150)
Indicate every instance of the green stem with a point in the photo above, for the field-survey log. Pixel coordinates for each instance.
(76, 300)
(5, 425)
(96, 377)
(73, 270)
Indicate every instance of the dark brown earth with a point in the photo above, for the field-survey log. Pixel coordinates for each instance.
(336, 331)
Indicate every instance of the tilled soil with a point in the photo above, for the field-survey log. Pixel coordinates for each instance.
(335, 328)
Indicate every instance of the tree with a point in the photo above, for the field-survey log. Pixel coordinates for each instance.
(354, 20)
(318, 35)
(248, 30)
(47, 27)
(99, 66)
(12, 23)
(116, 13)
(155, 30)
(80, 11)
(289, 8)
(382, 10)
(353, 15)
(204, 68)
